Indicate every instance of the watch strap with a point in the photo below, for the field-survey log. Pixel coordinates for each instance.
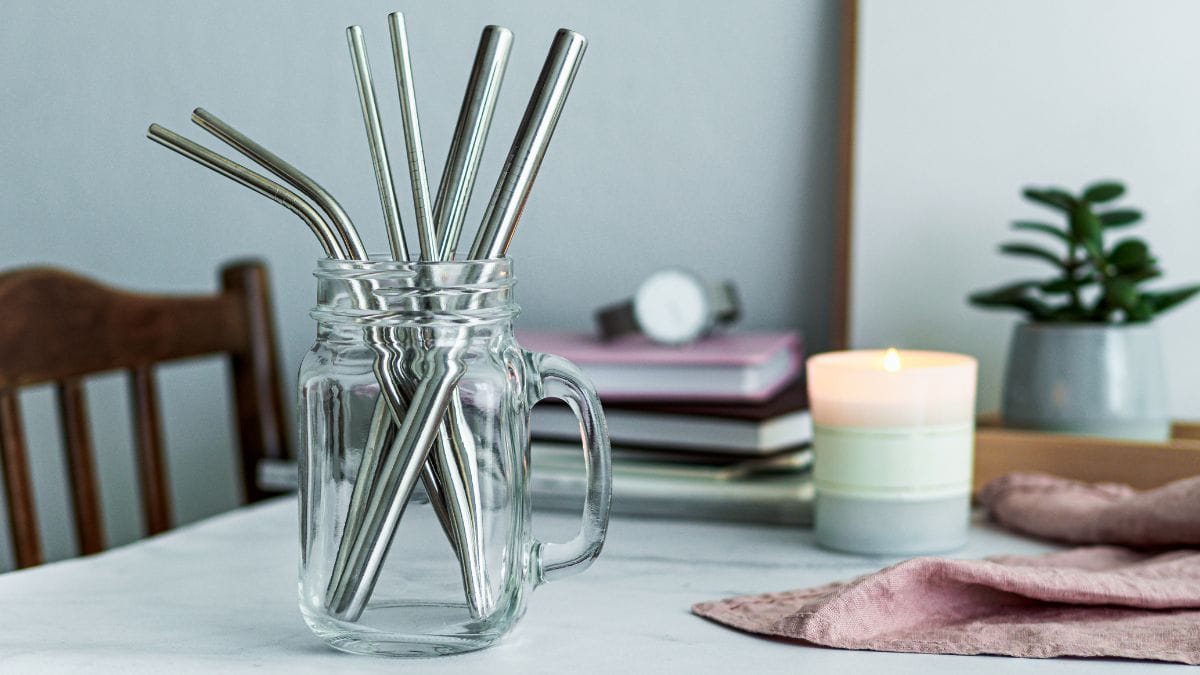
(726, 304)
(616, 320)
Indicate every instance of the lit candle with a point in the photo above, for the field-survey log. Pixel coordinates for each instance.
(893, 444)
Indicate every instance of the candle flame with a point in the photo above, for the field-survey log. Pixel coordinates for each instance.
(891, 360)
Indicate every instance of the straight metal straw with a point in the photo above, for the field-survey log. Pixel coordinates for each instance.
(529, 146)
(351, 588)
(453, 458)
(412, 138)
(260, 184)
(470, 136)
(375, 139)
(290, 174)
(391, 213)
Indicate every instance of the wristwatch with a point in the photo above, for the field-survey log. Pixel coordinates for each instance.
(672, 306)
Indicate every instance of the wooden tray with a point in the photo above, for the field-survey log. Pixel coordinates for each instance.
(1142, 465)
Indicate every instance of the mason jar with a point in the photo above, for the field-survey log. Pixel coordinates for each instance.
(414, 408)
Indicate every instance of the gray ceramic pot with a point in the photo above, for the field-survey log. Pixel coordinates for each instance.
(1096, 380)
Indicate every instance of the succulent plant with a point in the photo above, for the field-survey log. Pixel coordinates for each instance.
(1095, 283)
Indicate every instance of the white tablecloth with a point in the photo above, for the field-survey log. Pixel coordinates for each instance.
(219, 597)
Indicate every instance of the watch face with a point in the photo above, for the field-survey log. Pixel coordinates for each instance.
(672, 307)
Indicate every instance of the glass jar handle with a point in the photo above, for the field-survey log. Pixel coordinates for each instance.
(561, 379)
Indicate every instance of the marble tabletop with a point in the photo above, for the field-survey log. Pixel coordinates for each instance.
(219, 596)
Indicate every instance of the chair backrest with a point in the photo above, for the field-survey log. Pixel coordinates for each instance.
(59, 327)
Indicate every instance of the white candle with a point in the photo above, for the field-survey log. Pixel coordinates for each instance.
(893, 444)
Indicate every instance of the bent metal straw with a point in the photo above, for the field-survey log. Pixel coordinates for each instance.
(296, 178)
(335, 247)
(260, 184)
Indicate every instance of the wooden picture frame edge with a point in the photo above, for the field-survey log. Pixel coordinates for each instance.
(844, 181)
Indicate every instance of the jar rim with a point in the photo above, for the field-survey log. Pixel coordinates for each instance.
(389, 293)
(381, 263)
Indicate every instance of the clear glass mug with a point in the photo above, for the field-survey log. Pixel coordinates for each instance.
(455, 572)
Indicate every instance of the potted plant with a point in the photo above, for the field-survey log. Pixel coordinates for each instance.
(1087, 359)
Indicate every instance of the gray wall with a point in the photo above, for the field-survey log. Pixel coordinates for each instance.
(698, 133)
(938, 175)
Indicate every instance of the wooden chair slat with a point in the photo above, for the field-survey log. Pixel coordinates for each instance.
(147, 433)
(27, 545)
(256, 377)
(81, 466)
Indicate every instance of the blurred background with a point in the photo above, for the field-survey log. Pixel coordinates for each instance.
(698, 133)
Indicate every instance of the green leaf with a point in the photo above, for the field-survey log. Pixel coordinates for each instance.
(1144, 311)
(1013, 296)
(1143, 274)
(1032, 251)
(1052, 197)
(1065, 285)
(1121, 293)
(1165, 300)
(1003, 294)
(1104, 191)
(1086, 230)
(1120, 217)
(1130, 255)
(1042, 227)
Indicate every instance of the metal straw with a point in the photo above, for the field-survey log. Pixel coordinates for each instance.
(412, 138)
(260, 184)
(470, 136)
(452, 522)
(453, 459)
(335, 247)
(290, 174)
(351, 587)
(391, 212)
(529, 146)
(379, 155)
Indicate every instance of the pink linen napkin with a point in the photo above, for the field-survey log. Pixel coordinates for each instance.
(1092, 601)
(1095, 513)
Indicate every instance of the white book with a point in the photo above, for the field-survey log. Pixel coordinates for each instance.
(693, 433)
(658, 489)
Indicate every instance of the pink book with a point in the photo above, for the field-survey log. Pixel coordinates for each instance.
(727, 367)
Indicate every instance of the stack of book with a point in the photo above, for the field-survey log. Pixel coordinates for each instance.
(715, 430)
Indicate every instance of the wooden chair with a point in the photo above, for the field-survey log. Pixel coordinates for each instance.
(59, 327)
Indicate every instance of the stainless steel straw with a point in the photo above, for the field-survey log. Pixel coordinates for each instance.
(452, 521)
(412, 138)
(379, 155)
(470, 136)
(260, 184)
(290, 174)
(453, 459)
(529, 146)
(351, 587)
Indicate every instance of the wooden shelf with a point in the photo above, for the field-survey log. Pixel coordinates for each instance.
(1143, 465)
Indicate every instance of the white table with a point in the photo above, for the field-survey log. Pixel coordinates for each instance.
(219, 597)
